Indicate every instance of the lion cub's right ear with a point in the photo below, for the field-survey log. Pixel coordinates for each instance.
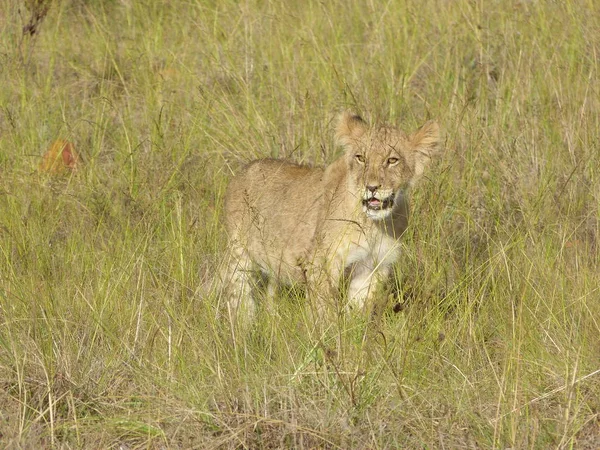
(426, 142)
(350, 127)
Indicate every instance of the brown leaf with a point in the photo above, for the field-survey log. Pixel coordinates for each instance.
(60, 158)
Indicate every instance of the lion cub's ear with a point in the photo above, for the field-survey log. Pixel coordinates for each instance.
(349, 127)
(426, 142)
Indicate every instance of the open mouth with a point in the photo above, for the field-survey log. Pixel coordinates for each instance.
(376, 204)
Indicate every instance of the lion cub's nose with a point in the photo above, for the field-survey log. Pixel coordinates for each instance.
(372, 188)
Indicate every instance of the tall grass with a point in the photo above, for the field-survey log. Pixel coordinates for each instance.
(109, 330)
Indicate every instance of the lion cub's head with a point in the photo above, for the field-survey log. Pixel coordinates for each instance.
(383, 162)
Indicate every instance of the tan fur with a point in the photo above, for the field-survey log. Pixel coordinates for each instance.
(313, 225)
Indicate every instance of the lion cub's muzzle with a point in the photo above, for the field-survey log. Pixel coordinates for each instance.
(377, 202)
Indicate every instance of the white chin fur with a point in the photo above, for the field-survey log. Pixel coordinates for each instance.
(377, 214)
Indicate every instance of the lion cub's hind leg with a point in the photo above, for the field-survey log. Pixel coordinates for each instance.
(238, 280)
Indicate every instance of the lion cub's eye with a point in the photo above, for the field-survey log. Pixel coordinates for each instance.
(360, 159)
(392, 161)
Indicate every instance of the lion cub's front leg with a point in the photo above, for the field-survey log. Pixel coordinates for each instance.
(364, 284)
(322, 280)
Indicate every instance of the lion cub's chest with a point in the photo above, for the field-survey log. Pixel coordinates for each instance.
(372, 249)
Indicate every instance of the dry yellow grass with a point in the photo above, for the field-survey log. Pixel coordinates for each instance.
(109, 333)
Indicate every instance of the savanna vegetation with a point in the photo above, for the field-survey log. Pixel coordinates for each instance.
(110, 335)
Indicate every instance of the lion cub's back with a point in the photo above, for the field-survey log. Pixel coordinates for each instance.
(274, 205)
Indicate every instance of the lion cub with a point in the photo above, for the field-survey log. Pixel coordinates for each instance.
(296, 223)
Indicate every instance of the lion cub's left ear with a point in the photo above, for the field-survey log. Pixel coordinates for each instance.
(426, 142)
(349, 128)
